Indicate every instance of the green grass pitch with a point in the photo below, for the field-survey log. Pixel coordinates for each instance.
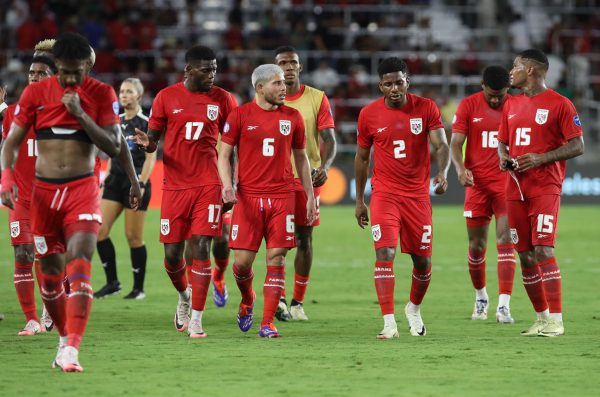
(132, 349)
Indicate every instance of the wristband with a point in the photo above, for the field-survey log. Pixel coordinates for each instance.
(8, 180)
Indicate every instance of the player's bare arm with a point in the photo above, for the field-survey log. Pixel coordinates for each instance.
(107, 138)
(303, 167)
(573, 148)
(329, 144)
(147, 142)
(442, 157)
(361, 172)
(465, 176)
(8, 158)
(224, 166)
(135, 193)
(3, 106)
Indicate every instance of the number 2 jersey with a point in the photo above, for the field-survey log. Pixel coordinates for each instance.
(190, 122)
(538, 124)
(400, 141)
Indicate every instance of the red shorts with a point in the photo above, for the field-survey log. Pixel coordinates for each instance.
(408, 218)
(480, 204)
(227, 218)
(190, 212)
(62, 209)
(301, 199)
(533, 221)
(20, 225)
(257, 217)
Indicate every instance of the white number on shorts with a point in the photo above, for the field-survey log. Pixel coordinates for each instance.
(289, 224)
(32, 148)
(523, 138)
(426, 234)
(545, 223)
(489, 139)
(214, 213)
(189, 127)
(268, 148)
(399, 147)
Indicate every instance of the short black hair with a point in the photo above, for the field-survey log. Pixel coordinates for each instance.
(72, 46)
(199, 53)
(536, 55)
(391, 65)
(285, 48)
(46, 61)
(496, 77)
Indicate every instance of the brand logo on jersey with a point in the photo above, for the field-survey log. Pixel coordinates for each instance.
(252, 127)
(115, 106)
(15, 229)
(175, 111)
(376, 230)
(576, 120)
(165, 227)
(416, 126)
(542, 235)
(468, 214)
(477, 119)
(234, 231)
(514, 236)
(541, 116)
(381, 129)
(289, 238)
(212, 112)
(40, 244)
(510, 116)
(424, 247)
(285, 127)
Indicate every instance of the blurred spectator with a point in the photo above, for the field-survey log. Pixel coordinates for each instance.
(325, 77)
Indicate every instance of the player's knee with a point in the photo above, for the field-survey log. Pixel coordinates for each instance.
(527, 258)
(276, 258)
(385, 254)
(477, 244)
(543, 252)
(24, 254)
(134, 239)
(172, 255)
(421, 262)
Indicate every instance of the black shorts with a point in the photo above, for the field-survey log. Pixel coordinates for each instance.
(116, 188)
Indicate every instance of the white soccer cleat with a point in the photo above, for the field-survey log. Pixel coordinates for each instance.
(182, 314)
(480, 310)
(195, 329)
(388, 332)
(535, 328)
(415, 322)
(503, 315)
(553, 328)
(31, 328)
(46, 321)
(58, 360)
(282, 313)
(297, 313)
(70, 360)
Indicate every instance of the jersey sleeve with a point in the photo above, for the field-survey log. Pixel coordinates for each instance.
(232, 128)
(230, 104)
(299, 135)
(158, 117)
(434, 118)
(363, 138)
(460, 123)
(568, 119)
(24, 115)
(503, 129)
(108, 107)
(325, 116)
(7, 121)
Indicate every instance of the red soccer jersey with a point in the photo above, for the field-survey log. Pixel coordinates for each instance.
(191, 122)
(480, 123)
(25, 165)
(401, 145)
(40, 105)
(538, 124)
(265, 140)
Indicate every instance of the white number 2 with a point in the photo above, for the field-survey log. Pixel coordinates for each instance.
(268, 148)
(214, 213)
(399, 147)
(545, 223)
(32, 150)
(426, 238)
(189, 127)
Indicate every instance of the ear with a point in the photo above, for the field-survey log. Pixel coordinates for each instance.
(187, 68)
(381, 86)
(300, 67)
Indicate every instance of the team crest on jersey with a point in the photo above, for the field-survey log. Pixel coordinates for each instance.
(212, 112)
(285, 127)
(15, 229)
(514, 236)
(165, 227)
(40, 244)
(416, 126)
(376, 230)
(234, 231)
(541, 116)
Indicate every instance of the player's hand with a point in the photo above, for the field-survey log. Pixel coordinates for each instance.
(529, 160)
(311, 210)
(72, 102)
(9, 189)
(362, 214)
(143, 141)
(229, 195)
(505, 159)
(441, 184)
(319, 177)
(135, 196)
(465, 177)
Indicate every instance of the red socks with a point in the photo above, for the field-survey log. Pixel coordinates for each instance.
(219, 270)
(384, 286)
(177, 274)
(274, 283)
(477, 268)
(188, 272)
(551, 282)
(25, 286)
(420, 283)
(55, 300)
(300, 284)
(532, 280)
(79, 303)
(244, 278)
(506, 268)
(201, 274)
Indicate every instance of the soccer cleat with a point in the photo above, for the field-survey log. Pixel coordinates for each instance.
(135, 294)
(182, 314)
(282, 313)
(58, 360)
(245, 317)
(535, 328)
(297, 312)
(195, 329)
(552, 328)
(388, 332)
(269, 331)
(415, 322)
(109, 289)
(480, 310)
(46, 320)
(503, 315)
(70, 360)
(31, 328)
(219, 292)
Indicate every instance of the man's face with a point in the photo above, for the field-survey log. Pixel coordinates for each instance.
(494, 98)
(274, 90)
(290, 63)
(201, 74)
(394, 87)
(518, 73)
(39, 72)
(71, 72)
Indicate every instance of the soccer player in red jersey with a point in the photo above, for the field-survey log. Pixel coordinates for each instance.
(71, 115)
(399, 128)
(266, 133)
(477, 121)
(20, 227)
(541, 129)
(190, 114)
(319, 125)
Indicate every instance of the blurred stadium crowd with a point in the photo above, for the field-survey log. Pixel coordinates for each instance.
(446, 44)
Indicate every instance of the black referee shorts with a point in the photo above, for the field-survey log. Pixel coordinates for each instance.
(116, 188)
